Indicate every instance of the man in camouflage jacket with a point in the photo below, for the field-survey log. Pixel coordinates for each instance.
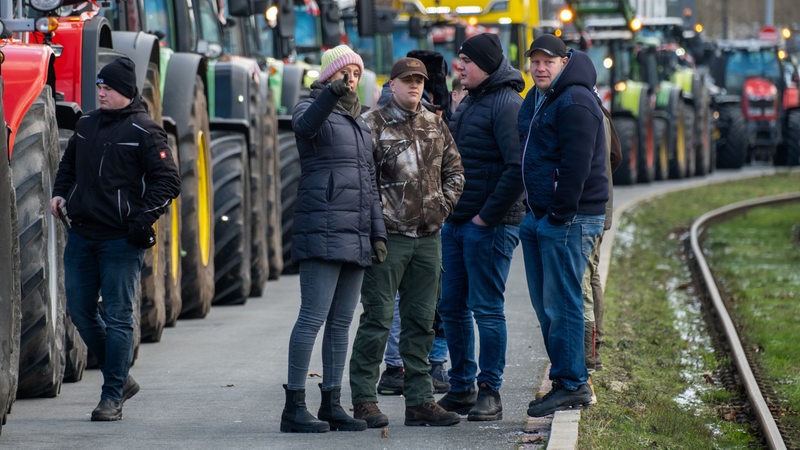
(420, 179)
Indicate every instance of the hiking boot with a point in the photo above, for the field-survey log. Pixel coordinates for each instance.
(107, 410)
(430, 414)
(369, 412)
(488, 405)
(560, 398)
(441, 380)
(460, 402)
(391, 382)
(130, 389)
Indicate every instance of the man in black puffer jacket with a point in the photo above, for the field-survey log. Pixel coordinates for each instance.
(479, 238)
(116, 177)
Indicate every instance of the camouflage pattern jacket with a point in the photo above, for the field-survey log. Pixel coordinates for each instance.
(418, 167)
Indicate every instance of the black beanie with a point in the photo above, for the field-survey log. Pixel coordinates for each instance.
(120, 74)
(485, 50)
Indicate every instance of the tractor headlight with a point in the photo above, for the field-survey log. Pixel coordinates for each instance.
(45, 5)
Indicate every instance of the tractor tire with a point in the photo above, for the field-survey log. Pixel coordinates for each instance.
(661, 125)
(628, 133)
(274, 226)
(261, 153)
(689, 141)
(232, 216)
(10, 314)
(788, 153)
(733, 142)
(197, 211)
(153, 300)
(647, 160)
(42, 351)
(76, 351)
(171, 240)
(290, 178)
(678, 153)
(703, 130)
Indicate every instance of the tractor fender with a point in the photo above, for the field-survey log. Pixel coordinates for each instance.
(77, 69)
(235, 83)
(140, 47)
(27, 69)
(178, 94)
(629, 99)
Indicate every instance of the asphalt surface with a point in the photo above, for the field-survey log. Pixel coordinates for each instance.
(216, 383)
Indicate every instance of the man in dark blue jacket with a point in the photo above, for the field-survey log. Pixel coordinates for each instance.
(116, 177)
(479, 238)
(566, 188)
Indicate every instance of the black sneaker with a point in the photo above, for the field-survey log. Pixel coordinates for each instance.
(559, 399)
(460, 402)
(441, 380)
(130, 389)
(107, 410)
(488, 405)
(391, 382)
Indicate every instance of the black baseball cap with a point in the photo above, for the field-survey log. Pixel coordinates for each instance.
(549, 44)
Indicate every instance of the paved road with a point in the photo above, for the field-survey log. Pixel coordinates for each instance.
(216, 383)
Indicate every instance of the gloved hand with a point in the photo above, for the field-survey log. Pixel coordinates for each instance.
(341, 86)
(141, 236)
(379, 251)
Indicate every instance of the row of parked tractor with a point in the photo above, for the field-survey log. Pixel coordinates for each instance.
(215, 74)
(684, 106)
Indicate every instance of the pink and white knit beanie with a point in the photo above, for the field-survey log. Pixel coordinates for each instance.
(336, 58)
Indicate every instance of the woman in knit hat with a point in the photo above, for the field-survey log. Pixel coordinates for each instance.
(338, 231)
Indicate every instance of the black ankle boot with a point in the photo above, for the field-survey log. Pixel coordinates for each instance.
(331, 411)
(296, 418)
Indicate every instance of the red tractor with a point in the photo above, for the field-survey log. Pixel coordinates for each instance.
(757, 104)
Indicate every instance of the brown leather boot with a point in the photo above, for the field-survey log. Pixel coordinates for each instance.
(430, 414)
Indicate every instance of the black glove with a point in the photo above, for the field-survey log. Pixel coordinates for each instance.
(341, 86)
(141, 236)
(379, 251)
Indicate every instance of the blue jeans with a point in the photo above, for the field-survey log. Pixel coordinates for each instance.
(476, 262)
(392, 357)
(111, 269)
(329, 293)
(555, 261)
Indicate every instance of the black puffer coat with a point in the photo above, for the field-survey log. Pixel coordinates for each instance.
(338, 211)
(485, 130)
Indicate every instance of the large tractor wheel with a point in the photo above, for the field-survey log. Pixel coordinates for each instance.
(628, 133)
(153, 306)
(42, 357)
(260, 153)
(197, 211)
(10, 315)
(232, 217)
(273, 162)
(171, 240)
(290, 178)
(689, 141)
(661, 124)
(647, 155)
(704, 142)
(676, 137)
(733, 142)
(788, 153)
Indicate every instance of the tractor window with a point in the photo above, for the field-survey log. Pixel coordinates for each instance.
(266, 36)
(209, 23)
(158, 17)
(744, 64)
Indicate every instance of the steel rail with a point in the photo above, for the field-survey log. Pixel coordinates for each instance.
(764, 416)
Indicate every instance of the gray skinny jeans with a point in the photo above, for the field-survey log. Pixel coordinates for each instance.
(329, 293)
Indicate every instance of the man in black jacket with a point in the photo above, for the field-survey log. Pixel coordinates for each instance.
(116, 177)
(479, 237)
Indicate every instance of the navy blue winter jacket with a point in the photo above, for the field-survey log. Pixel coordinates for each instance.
(338, 210)
(485, 133)
(564, 146)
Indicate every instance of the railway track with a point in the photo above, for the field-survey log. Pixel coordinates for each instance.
(753, 389)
